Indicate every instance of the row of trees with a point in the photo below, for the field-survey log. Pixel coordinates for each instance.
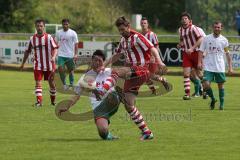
(85, 16)
(205, 12)
(95, 16)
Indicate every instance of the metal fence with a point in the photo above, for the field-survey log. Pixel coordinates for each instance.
(104, 37)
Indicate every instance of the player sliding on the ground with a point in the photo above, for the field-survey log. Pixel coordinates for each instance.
(106, 107)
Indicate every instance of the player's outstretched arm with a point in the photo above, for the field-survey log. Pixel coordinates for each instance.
(200, 57)
(155, 54)
(161, 66)
(112, 59)
(75, 52)
(74, 100)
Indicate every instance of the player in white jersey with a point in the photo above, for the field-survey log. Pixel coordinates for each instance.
(103, 108)
(215, 46)
(67, 53)
(45, 52)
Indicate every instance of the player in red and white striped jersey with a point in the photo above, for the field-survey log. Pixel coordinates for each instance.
(146, 31)
(137, 50)
(190, 39)
(152, 37)
(45, 51)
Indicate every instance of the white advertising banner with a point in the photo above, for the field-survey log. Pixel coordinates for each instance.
(234, 49)
(12, 51)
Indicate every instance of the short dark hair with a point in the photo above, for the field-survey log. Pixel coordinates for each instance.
(39, 21)
(218, 22)
(65, 20)
(144, 18)
(186, 14)
(99, 53)
(122, 21)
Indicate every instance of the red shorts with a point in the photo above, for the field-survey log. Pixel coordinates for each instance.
(140, 75)
(190, 60)
(38, 74)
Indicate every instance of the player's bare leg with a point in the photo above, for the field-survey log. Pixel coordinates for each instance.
(150, 85)
(103, 131)
(161, 79)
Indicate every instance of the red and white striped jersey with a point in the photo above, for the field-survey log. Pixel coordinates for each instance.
(189, 36)
(152, 37)
(136, 49)
(42, 46)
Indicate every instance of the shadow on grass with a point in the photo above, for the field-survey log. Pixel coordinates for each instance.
(72, 139)
(207, 108)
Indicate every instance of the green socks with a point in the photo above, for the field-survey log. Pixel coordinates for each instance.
(197, 86)
(71, 78)
(63, 77)
(210, 94)
(221, 97)
(109, 136)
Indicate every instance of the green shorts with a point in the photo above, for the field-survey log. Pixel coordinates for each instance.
(62, 61)
(218, 77)
(108, 107)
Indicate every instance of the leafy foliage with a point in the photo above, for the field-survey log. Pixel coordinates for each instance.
(162, 13)
(85, 16)
(94, 16)
(205, 12)
(17, 16)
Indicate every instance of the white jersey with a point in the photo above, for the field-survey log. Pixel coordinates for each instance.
(214, 48)
(101, 78)
(66, 41)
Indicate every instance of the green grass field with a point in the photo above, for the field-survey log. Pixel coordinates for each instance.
(183, 129)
